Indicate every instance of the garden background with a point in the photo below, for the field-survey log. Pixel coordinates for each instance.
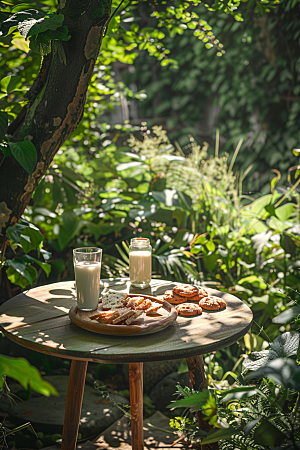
(189, 137)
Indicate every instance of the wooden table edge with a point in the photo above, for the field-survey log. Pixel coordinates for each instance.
(125, 359)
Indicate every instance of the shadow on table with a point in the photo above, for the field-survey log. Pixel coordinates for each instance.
(26, 309)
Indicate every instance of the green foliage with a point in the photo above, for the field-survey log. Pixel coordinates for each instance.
(261, 415)
(40, 27)
(188, 202)
(27, 375)
(25, 153)
(24, 238)
(285, 345)
(249, 93)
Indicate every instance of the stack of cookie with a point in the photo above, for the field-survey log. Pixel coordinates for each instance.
(183, 294)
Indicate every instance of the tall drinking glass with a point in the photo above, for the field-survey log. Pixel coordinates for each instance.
(87, 267)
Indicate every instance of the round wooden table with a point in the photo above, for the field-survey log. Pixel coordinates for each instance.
(39, 320)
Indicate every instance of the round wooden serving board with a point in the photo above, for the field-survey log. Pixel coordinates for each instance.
(142, 325)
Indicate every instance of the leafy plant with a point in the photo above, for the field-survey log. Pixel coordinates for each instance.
(27, 375)
(23, 239)
(204, 92)
(263, 414)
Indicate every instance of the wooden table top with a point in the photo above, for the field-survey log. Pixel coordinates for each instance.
(38, 319)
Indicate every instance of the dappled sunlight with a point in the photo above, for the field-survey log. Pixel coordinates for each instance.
(120, 284)
(61, 308)
(37, 305)
(10, 322)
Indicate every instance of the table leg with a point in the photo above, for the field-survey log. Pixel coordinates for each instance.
(199, 381)
(136, 405)
(197, 373)
(73, 404)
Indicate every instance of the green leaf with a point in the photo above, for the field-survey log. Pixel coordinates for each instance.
(173, 158)
(288, 244)
(238, 393)
(195, 401)
(19, 267)
(45, 266)
(28, 376)
(33, 26)
(287, 315)
(129, 165)
(19, 17)
(95, 229)
(15, 232)
(250, 426)
(281, 399)
(21, 44)
(201, 239)
(125, 256)
(30, 238)
(253, 279)
(71, 225)
(5, 150)
(267, 434)
(211, 262)
(216, 434)
(183, 368)
(10, 83)
(29, 259)
(71, 174)
(22, 7)
(283, 346)
(20, 276)
(158, 184)
(284, 212)
(70, 191)
(185, 201)
(25, 153)
(282, 371)
(40, 44)
(271, 210)
(3, 124)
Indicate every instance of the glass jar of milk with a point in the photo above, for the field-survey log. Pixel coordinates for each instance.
(140, 267)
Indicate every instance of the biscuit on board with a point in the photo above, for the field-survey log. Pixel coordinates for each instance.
(113, 299)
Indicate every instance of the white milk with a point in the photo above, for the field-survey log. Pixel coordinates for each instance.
(87, 277)
(140, 267)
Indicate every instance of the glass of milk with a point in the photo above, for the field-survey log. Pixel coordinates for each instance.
(140, 268)
(87, 267)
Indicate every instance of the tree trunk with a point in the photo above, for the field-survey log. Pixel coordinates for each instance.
(56, 103)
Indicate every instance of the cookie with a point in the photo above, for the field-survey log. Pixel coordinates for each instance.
(175, 299)
(146, 304)
(202, 293)
(221, 302)
(185, 290)
(189, 309)
(212, 303)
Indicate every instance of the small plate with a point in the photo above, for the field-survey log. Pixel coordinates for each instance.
(142, 325)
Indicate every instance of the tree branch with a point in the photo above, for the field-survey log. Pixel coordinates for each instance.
(56, 103)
